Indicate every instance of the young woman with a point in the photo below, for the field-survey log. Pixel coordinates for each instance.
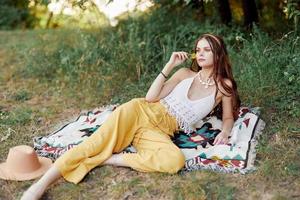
(185, 98)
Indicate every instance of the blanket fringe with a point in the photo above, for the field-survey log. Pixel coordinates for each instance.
(253, 144)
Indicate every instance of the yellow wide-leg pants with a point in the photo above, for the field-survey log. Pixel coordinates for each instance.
(147, 126)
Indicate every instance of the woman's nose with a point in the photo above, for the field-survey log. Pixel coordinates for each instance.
(200, 52)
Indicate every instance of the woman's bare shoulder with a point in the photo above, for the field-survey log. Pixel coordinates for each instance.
(221, 88)
(185, 72)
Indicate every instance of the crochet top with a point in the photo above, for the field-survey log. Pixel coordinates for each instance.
(187, 112)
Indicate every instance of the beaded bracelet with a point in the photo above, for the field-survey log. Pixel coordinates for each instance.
(164, 75)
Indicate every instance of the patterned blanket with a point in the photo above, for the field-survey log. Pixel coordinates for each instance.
(200, 153)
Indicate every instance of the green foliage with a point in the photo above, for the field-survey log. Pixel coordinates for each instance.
(269, 74)
(15, 14)
(267, 70)
(292, 11)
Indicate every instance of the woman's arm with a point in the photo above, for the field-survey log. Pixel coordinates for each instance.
(227, 119)
(159, 88)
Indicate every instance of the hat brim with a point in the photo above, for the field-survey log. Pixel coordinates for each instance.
(7, 174)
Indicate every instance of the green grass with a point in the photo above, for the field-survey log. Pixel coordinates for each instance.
(48, 75)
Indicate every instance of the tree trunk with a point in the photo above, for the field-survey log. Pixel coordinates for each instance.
(198, 5)
(49, 20)
(250, 12)
(224, 11)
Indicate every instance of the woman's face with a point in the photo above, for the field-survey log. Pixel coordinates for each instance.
(204, 54)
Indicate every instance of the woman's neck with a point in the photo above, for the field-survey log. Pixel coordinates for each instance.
(206, 73)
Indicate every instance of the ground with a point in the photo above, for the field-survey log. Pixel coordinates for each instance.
(30, 107)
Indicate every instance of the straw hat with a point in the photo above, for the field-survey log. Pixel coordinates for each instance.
(22, 163)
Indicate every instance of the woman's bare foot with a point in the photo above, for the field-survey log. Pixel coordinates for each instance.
(34, 192)
(116, 159)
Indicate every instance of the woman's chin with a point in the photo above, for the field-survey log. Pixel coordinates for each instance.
(205, 66)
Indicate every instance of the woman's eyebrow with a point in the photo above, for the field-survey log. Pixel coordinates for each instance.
(206, 47)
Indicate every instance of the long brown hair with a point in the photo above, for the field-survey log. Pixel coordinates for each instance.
(222, 70)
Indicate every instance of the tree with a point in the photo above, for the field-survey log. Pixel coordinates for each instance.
(224, 11)
(250, 12)
(15, 14)
(198, 5)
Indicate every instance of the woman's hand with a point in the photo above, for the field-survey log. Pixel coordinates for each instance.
(222, 138)
(178, 58)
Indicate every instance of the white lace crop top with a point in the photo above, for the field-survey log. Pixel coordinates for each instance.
(187, 112)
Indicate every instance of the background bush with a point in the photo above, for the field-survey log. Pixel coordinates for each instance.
(15, 14)
(131, 55)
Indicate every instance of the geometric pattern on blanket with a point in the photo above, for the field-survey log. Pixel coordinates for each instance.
(71, 133)
(236, 156)
(200, 153)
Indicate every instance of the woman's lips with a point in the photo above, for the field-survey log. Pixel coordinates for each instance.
(201, 59)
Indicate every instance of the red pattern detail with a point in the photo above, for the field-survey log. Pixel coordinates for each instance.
(49, 148)
(243, 110)
(93, 120)
(97, 112)
(236, 163)
(207, 161)
(246, 121)
(87, 120)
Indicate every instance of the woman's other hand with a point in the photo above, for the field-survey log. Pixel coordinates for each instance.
(222, 138)
(178, 58)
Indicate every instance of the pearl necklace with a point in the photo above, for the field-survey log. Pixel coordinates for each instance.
(207, 82)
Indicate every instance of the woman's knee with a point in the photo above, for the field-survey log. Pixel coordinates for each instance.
(174, 162)
(136, 100)
(132, 104)
(128, 107)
